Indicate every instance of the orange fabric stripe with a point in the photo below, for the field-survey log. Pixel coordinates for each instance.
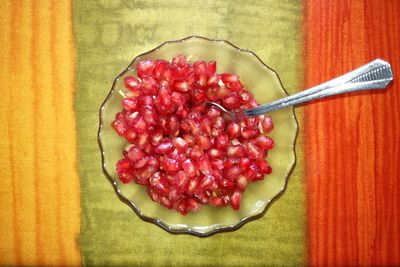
(40, 186)
(352, 142)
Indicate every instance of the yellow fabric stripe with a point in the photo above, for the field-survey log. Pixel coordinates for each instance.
(40, 187)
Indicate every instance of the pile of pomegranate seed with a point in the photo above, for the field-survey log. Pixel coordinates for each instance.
(182, 150)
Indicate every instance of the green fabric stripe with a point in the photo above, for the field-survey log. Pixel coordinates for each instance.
(109, 34)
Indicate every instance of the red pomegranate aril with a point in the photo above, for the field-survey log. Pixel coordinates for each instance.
(264, 142)
(180, 144)
(129, 104)
(253, 151)
(182, 207)
(217, 202)
(132, 84)
(241, 182)
(216, 153)
(192, 205)
(252, 123)
(135, 154)
(267, 124)
(190, 139)
(235, 200)
(189, 168)
(264, 167)
(204, 165)
(170, 165)
(250, 133)
(229, 78)
(213, 80)
(195, 152)
(200, 68)
(181, 86)
(227, 184)
(140, 163)
(203, 142)
(211, 67)
(207, 182)
(232, 100)
(156, 137)
(185, 152)
(232, 172)
(145, 100)
(145, 68)
(233, 130)
(166, 146)
(235, 151)
(149, 86)
(149, 114)
(173, 125)
(142, 140)
(221, 141)
(217, 163)
(140, 125)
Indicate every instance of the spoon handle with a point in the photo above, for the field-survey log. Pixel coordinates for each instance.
(375, 75)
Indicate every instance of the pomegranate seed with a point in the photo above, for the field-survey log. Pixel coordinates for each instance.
(200, 68)
(143, 139)
(244, 163)
(203, 142)
(235, 151)
(235, 86)
(227, 184)
(181, 179)
(222, 92)
(160, 69)
(129, 104)
(232, 100)
(170, 165)
(221, 141)
(251, 172)
(202, 81)
(252, 123)
(253, 151)
(230, 162)
(164, 147)
(206, 126)
(140, 125)
(233, 130)
(264, 142)
(207, 182)
(181, 86)
(153, 162)
(179, 61)
(229, 78)
(146, 100)
(216, 153)
(149, 86)
(235, 200)
(140, 163)
(182, 207)
(180, 144)
(217, 163)
(204, 165)
(156, 137)
(195, 152)
(132, 84)
(213, 80)
(131, 136)
(135, 154)
(173, 125)
(193, 205)
(217, 202)
(159, 185)
(264, 167)
(190, 139)
(147, 172)
(192, 186)
(241, 182)
(267, 124)
(189, 168)
(149, 114)
(250, 133)
(198, 95)
(166, 202)
(232, 172)
(145, 68)
(165, 97)
(211, 67)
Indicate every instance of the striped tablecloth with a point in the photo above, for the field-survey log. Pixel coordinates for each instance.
(57, 62)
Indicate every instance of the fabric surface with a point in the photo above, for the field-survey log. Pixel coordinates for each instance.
(352, 143)
(39, 192)
(109, 34)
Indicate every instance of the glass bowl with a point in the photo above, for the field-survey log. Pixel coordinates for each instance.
(266, 86)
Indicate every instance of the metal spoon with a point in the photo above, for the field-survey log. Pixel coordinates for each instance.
(375, 75)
